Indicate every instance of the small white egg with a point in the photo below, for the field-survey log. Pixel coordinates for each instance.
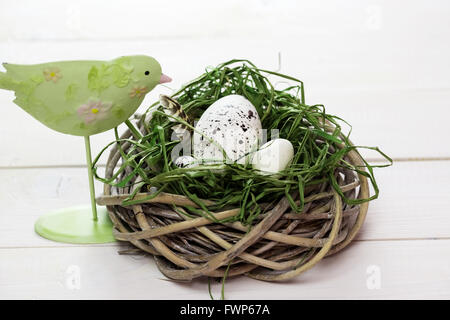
(273, 156)
(234, 124)
(184, 162)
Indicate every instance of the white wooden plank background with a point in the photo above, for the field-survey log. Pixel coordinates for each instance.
(46, 273)
(381, 65)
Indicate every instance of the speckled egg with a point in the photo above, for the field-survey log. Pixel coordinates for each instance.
(234, 124)
(184, 162)
(273, 156)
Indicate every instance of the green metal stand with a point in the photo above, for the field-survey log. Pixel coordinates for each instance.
(78, 224)
(87, 144)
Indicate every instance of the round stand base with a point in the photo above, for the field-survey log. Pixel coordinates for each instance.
(75, 225)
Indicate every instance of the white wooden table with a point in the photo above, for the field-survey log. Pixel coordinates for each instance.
(382, 65)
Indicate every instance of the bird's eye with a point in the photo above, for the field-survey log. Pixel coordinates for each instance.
(147, 73)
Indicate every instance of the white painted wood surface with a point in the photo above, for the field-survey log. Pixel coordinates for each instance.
(381, 65)
(48, 273)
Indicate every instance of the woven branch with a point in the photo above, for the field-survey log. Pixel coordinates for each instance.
(278, 246)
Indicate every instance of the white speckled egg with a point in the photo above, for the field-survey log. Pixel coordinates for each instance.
(273, 156)
(234, 124)
(184, 162)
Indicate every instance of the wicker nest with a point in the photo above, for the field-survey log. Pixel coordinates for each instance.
(280, 244)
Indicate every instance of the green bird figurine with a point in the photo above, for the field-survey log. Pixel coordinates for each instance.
(82, 98)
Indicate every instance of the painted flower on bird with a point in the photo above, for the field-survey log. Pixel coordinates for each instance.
(94, 111)
(138, 91)
(52, 74)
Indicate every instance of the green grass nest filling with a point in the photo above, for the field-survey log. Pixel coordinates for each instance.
(318, 149)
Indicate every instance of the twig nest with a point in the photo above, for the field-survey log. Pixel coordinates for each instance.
(280, 244)
(221, 217)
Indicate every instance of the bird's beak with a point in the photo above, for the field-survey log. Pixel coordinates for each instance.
(164, 79)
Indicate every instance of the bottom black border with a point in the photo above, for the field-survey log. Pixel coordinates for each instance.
(217, 309)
